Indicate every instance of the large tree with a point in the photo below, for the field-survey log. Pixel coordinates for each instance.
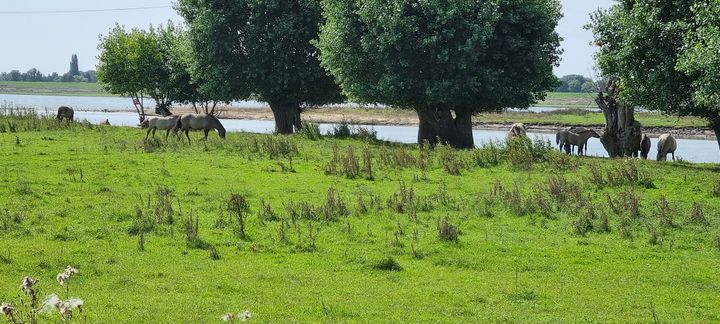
(447, 60)
(261, 47)
(139, 63)
(656, 53)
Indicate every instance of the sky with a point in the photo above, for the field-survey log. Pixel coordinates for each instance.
(35, 35)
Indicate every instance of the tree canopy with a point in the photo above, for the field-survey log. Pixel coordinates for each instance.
(139, 62)
(442, 58)
(663, 53)
(244, 47)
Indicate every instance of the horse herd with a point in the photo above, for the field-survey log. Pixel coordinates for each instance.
(186, 123)
(566, 140)
(572, 137)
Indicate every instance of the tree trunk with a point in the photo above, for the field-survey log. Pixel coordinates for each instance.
(716, 127)
(284, 114)
(440, 125)
(297, 120)
(426, 131)
(622, 132)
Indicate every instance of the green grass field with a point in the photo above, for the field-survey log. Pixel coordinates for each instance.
(554, 99)
(52, 88)
(350, 230)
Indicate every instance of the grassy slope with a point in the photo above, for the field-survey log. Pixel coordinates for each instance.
(504, 268)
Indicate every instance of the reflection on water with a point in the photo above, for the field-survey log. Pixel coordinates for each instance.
(693, 150)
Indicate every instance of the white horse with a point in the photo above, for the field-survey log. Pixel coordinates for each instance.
(517, 130)
(166, 123)
(666, 144)
(205, 122)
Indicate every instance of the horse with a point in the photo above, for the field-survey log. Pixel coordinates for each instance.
(575, 137)
(205, 122)
(65, 113)
(560, 139)
(517, 130)
(666, 144)
(166, 123)
(644, 146)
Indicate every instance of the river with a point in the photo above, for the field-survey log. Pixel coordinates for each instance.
(693, 150)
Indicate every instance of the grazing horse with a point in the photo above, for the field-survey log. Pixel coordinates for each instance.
(644, 146)
(65, 113)
(517, 130)
(666, 144)
(575, 137)
(155, 123)
(205, 122)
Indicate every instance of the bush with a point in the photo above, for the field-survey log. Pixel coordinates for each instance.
(447, 231)
(388, 264)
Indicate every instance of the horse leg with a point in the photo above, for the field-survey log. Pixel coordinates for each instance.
(148, 134)
(673, 155)
(187, 132)
(167, 133)
(154, 129)
(207, 131)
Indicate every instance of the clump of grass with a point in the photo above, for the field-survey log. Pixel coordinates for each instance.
(310, 131)
(584, 223)
(716, 189)
(23, 187)
(664, 213)
(697, 215)
(450, 159)
(596, 174)
(266, 213)
(239, 207)
(350, 164)
(488, 155)
(334, 207)
(388, 264)
(447, 231)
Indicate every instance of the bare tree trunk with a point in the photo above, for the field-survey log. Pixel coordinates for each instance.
(716, 127)
(284, 114)
(297, 121)
(426, 131)
(622, 132)
(440, 125)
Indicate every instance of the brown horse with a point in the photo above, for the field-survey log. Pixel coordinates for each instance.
(65, 113)
(644, 146)
(205, 122)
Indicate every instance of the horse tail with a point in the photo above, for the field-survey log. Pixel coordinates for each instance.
(178, 124)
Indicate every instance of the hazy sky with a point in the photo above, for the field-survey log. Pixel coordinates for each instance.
(46, 40)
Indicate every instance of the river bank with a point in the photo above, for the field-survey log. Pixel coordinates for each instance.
(656, 124)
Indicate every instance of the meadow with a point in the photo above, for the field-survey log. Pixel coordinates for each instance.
(345, 228)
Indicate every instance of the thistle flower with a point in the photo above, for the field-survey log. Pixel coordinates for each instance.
(62, 278)
(27, 284)
(70, 271)
(244, 316)
(6, 309)
(227, 317)
(53, 302)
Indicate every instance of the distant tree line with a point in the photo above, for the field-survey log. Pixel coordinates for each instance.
(576, 83)
(34, 75)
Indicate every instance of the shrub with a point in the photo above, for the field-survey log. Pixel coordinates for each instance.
(388, 264)
(310, 131)
(447, 231)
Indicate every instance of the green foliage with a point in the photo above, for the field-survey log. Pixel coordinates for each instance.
(260, 47)
(436, 57)
(664, 54)
(149, 62)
